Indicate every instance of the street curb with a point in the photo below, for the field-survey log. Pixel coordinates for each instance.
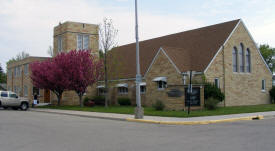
(78, 115)
(259, 117)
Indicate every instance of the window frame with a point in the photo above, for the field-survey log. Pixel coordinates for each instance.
(59, 43)
(9, 72)
(217, 82)
(123, 90)
(37, 90)
(161, 85)
(142, 91)
(248, 60)
(26, 69)
(263, 85)
(80, 40)
(14, 72)
(18, 71)
(101, 91)
(235, 62)
(241, 58)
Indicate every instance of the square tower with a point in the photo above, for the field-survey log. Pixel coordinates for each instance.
(75, 36)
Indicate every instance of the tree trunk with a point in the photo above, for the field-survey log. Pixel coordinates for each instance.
(59, 99)
(80, 100)
(106, 79)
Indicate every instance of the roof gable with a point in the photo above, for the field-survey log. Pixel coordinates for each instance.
(189, 50)
(166, 55)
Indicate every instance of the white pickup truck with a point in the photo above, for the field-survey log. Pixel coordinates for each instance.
(10, 99)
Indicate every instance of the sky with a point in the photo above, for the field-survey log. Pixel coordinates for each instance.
(27, 25)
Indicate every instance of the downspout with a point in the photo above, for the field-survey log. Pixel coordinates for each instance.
(223, 74)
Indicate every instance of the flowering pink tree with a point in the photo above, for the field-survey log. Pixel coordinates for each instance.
(83, 70)
(75, 70)
(49, 74)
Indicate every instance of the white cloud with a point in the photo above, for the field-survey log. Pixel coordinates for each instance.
(28, 25)
(122, 0)
(264, 32)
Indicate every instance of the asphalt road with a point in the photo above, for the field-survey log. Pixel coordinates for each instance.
(34, 131)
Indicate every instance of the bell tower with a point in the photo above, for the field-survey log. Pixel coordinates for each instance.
(75, 36)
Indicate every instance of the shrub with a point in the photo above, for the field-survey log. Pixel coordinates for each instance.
(124, 101)
(99, 100)
(88, 102)
(159, 105)
(86, 99)
(211, 103)
(211, 91)
(272, 94)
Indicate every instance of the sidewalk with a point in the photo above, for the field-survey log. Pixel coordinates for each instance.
(164, 120)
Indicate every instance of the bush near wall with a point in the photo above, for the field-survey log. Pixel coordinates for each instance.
(211, 91)
(272, 94)
(211, 103)
(88, 102)
(159, 105)
(124, 101)
(99, 100)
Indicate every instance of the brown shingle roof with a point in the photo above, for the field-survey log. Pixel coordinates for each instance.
(189, 50)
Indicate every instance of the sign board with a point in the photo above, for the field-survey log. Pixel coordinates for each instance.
(175, 93)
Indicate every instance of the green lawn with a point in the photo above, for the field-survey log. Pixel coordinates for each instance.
(152, 112)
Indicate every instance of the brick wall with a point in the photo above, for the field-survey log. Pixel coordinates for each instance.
(162, 67)
(23, 79)
(241, 88)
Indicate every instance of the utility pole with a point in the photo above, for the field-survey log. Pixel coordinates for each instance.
(190, 92)
(138, 110)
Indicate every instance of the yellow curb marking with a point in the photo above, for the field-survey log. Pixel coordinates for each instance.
(195, 122)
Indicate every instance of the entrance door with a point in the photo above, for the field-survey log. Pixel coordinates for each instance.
(47, 96)
(195, 97)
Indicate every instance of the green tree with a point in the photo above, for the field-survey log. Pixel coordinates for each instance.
(268, 53)
(3, 76)
(20, 56)
(101, 54)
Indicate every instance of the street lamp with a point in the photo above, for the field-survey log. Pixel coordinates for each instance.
(138, 110)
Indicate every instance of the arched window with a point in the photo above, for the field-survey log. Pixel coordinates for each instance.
(241, 58)
(248, 60)
(234, 59)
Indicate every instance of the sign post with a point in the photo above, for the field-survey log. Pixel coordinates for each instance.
(190, 91)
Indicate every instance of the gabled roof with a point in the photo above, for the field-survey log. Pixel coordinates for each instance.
(189, 50)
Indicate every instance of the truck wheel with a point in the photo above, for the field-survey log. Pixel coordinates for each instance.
(24, 106)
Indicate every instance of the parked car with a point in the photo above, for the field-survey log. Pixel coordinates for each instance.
(10, 99)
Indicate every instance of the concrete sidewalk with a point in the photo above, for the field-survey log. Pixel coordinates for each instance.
(164, 120)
